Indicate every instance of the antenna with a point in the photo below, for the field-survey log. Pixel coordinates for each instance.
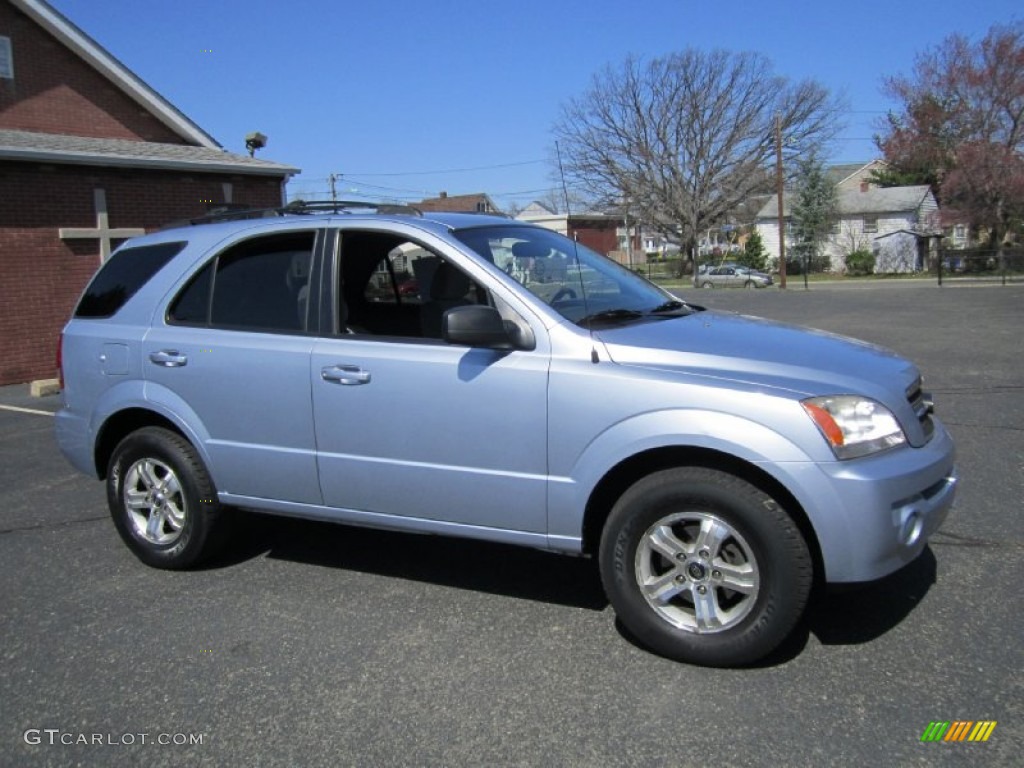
(561, 171)
(576, 255)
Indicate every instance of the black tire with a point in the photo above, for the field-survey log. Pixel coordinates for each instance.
(175, 521)
(750, 284)
(707, 284)
(749, 543)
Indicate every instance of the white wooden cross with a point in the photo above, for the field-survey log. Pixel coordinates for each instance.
(103, 232)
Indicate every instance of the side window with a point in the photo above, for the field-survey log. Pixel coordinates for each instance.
(192, 306)
(122, 276)
(398, 288)
(257, 285)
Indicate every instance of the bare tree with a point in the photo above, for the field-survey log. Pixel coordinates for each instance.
(688, 137)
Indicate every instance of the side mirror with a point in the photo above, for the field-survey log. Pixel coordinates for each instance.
(475, 326)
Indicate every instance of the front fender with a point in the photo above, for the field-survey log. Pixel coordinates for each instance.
(735, 436)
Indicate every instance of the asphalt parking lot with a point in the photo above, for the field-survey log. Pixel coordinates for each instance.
(311, 644)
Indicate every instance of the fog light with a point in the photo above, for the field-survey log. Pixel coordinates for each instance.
(911, 524)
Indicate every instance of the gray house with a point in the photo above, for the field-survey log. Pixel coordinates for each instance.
(898, 224)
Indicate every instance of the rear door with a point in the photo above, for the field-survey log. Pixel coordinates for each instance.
(409, 426)
(232, 355)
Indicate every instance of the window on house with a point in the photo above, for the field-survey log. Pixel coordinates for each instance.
(837, 228)
(870, 223)
(6, 59)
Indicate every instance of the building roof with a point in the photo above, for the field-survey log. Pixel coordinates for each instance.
(29, 146)
(117, 73)
(846, 171)
(851, 202)
(536, 208)
(476, 202)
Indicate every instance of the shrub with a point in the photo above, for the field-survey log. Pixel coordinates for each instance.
(860, 262)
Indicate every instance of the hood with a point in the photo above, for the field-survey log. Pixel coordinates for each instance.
(764, 353)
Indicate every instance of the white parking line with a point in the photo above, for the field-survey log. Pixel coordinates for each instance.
(16, 409)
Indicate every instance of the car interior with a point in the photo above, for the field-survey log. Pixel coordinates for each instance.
(393, 287)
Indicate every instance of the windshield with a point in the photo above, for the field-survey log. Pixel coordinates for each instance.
(581, 285)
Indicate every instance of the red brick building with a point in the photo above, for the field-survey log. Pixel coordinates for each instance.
(477, 202)
(89, 155)
(605, 233)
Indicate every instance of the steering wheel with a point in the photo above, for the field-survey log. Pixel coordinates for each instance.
(563, 293)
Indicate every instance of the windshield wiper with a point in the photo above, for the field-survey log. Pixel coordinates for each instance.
(611, 316)
(673, 305)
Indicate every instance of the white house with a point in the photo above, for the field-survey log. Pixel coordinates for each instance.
(897, 224)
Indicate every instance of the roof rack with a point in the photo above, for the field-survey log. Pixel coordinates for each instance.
(305, 207)
(344, 206)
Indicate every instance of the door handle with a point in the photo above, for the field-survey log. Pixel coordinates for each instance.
(168, 358)
(349, 375)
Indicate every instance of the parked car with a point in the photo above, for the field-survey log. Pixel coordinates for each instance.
(733, 276)
(409, 287)
(713, 464)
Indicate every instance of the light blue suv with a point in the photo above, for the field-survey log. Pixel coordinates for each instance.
(477, 376)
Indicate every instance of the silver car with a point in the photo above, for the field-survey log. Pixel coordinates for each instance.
(733, 276)
(480, 377)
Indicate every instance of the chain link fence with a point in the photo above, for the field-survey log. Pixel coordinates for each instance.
(980, 265)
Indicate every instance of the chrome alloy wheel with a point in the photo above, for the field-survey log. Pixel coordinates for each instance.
(154, 501)
(697, 572)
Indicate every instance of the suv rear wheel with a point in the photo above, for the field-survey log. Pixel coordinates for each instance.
(162, 500)
(703, 567)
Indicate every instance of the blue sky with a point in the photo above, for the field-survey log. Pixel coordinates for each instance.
(404, 99)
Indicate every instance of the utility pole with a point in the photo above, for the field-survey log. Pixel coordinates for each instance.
(334, 194)
(629, 237)
(778, 186)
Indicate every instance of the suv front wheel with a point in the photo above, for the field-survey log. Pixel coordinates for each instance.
(703, 567)
(162, 499)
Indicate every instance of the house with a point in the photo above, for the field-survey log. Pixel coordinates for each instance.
(477, 202)
(90, 155)
(899, 225)
(604, 232)
(855, 175)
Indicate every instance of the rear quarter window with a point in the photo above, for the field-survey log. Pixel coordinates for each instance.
(121, 277)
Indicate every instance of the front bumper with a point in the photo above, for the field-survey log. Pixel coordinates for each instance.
(881, 510)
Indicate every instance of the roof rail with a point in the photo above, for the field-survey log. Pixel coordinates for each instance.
(303, 207)
(344, 206)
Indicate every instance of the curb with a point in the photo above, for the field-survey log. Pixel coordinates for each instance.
(44, 387)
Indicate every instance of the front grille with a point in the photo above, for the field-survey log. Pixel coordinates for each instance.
(923, 406)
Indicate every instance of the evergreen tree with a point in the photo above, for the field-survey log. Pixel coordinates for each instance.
(813, 212)
(754, 255)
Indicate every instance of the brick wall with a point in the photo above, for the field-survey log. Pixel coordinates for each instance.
(55, 91)
(41, 276)
(598, 236)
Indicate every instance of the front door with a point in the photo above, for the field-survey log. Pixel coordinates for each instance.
(410, 426)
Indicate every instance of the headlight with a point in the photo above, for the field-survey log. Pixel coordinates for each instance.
(854, 426)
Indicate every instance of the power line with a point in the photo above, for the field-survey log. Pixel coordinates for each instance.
(450, 170)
